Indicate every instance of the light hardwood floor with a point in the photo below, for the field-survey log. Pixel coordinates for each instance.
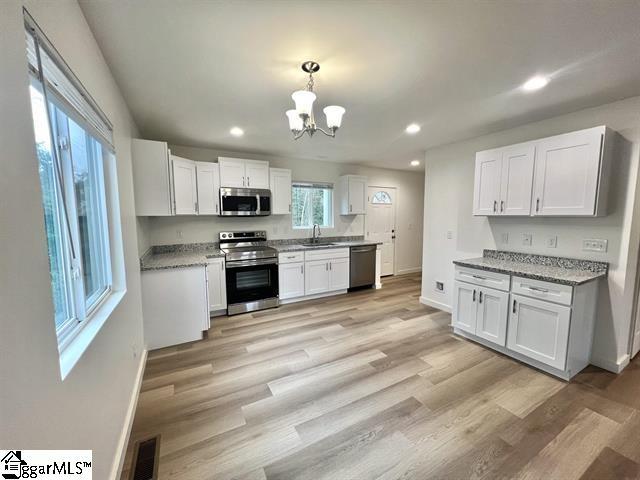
(374, 385)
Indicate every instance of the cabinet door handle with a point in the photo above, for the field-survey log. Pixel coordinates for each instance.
(501, 206)
(474, 295)
(289, 208)
(243, 184)
(538, 289)
(248, 181)
(350, 208)
(326, 267)
(514, 306)
(495, 206)
(537, 205)
(480, 298)
(302, 269)
(329, 265)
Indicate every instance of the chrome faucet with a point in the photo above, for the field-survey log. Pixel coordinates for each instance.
(316, 238)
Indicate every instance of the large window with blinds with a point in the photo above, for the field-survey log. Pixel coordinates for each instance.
(76, 164)
(312, 203)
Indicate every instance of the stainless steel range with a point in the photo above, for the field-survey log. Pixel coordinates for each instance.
(251, 271)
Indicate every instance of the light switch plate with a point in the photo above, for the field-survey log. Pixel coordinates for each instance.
(594, 245)
(527, 239)
(552, 241)
(504, 238)
(449, 235)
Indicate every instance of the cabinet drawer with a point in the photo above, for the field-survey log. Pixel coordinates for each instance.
(290, 257)
(326, 254)
(551, 292)
(498, 281)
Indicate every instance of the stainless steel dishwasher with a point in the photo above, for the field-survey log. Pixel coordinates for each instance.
(362, 266)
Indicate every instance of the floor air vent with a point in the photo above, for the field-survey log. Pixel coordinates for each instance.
(145, 466)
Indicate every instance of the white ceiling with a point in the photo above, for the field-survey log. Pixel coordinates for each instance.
(190, 70)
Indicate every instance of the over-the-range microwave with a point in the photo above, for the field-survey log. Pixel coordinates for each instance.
(240, 202)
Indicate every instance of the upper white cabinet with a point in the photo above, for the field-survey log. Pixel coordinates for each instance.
(208, 180)
(569, 178)
(352, 190)
(280, 184)
(184, 186)
(152, 178)
(240, 173)
(565, 175)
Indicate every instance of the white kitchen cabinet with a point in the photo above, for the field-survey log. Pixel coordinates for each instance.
(338, 274)
(208, 179)
(152, 178)
(291, 280)
(316, 277)
(481, 311)
(174, 305)
(564, 175)
(486, 192)
(516, 179)
(569, 179)
(184, 186)
(352, 191)
(216, 284)
(280, 184)
(539, 330)
(241, 173)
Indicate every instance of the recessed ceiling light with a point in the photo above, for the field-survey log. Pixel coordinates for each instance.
(535, 83)
(415, 163)
(236, 132)
(412, 128)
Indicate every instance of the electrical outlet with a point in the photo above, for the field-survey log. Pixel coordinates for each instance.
(439, 286)
(552, 241)
(594, 245)
(504, 238)
(527, 239)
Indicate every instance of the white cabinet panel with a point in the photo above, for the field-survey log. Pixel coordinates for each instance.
(486, 190)
(516, 179)
(491, 322)
(151, 178)
(280, 185)
(353, 194)
(316, 277)
(256, 173)
(184, 186)
(208, 177)
(539, 330)
(217, 284)
(339, 274)
(291, 280)
(464, 307)
(232, 172)
(567, 173)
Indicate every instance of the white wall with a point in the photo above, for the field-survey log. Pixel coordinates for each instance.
(448, 208)
(410, 188)
(37, 410)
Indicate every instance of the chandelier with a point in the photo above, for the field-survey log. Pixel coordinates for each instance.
(301, 118)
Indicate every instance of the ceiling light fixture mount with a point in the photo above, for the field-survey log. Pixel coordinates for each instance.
(301, 118)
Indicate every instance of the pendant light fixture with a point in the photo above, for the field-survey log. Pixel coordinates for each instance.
(301, 118)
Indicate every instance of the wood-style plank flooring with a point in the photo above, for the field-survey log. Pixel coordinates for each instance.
(374, 385)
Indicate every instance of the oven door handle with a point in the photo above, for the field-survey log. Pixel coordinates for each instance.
(252, 263)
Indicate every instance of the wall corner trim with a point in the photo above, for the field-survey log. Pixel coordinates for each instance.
(118, 461)
(435, 304)
(615, 367)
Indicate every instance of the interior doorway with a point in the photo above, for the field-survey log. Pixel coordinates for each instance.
(380, 224)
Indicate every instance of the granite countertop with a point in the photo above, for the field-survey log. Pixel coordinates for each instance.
(178, 259)
(566, 271)
(297, 247)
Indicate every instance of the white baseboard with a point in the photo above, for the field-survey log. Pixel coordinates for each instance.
(435, 304)
(116, 468)
(615, 367)
(408, 270)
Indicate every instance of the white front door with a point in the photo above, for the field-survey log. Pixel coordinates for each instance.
(381, 224)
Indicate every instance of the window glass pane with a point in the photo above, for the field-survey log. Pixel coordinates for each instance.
(86, 156)
(311, 205)
(59, 265)
(381, 197)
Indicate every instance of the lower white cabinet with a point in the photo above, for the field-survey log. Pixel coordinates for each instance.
(338, 274)
(481, 311)
(547, 325)
(291, 280)
(316, 279)
(539, 330)
(174, 305)
(216, 285)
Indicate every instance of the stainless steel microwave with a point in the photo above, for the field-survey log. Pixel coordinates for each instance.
(241, 202)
